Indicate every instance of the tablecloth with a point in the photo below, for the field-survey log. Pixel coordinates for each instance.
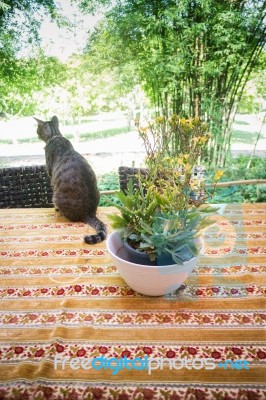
(61, 299)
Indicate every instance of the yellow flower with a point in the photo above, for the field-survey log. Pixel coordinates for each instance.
(218, 175)
(174, 118)
(203, 139)
(143, 129)
(183, 121)
(167, 160)
(194, 184)
(160, 119)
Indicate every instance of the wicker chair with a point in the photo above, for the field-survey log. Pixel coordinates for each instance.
(25, 187)
(127, 173)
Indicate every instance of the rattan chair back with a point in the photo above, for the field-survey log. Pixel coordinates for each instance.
(25, 187)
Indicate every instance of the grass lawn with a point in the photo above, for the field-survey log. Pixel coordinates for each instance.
(83, 137)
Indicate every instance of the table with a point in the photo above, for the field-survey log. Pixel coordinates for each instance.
(62, 298)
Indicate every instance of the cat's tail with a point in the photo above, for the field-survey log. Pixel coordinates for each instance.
(100, 228)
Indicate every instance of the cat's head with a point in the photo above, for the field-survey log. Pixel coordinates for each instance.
(47, 129)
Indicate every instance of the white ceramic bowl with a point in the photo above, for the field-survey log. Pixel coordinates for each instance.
(148, 279)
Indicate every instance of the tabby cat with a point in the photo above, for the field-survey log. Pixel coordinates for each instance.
(75, 192)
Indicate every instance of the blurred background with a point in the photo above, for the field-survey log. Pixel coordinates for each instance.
(98, 65)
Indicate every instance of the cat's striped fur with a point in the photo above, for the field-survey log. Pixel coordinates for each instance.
(75, 192)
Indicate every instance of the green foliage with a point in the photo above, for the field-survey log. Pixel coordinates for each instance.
(4, 6)
(240, 194)
(93, 5)
(136, 206)
(20, 76)
(254, 93)
(31, 83)
(19, 23)
(22, 79)
(109, 181)
(84, 89)
(237, 170)
(249, 104)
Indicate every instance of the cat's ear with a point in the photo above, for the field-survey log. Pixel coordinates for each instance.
(40, 122)
(55, 121)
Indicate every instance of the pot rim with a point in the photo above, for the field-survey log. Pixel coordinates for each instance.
(184, 265)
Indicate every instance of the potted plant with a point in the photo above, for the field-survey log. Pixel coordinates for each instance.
(157, 239)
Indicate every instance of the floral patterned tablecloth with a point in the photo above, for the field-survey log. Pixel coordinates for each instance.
(62, 298)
